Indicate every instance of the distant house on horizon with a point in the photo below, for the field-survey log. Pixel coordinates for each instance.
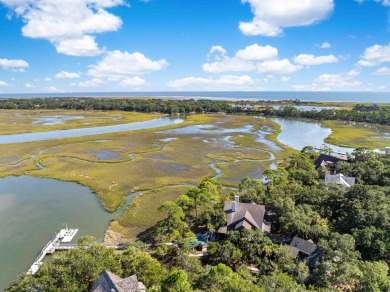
(109, 282)
(340, 179)
(242, 216)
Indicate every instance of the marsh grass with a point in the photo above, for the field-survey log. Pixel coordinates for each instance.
(142, 213)
(357, 135)
(157, 163)
(21, 121)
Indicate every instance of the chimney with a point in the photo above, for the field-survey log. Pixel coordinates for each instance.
(237, 199)
(234, 203)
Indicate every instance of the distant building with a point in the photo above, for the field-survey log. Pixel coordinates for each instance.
(244, 216)
(305, 249)
(109, 282)
(329, 162)
(340, 179)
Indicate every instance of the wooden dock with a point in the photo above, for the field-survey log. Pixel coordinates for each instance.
(60, 243)
(65, 235)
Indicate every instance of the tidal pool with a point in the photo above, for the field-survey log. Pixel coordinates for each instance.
(55, 120)
(33, 209)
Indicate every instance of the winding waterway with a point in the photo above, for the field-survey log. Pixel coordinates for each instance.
(32, 209)
(81, 132)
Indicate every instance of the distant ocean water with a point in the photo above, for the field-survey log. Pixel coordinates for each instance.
(376, 97)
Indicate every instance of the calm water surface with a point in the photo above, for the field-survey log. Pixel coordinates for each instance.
(32, 209)
(59, 134)
(298, 134)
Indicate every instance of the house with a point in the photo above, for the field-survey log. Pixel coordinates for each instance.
(302, 249)
(109, 282)
(329, 162)
(244, 216)
(340, 179)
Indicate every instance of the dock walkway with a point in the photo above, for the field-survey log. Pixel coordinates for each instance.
(65, 235)
(57, 244)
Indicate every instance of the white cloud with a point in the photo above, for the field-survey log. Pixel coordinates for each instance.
(82, 46)
(285, 78)
(133, 82)
(283, 66)
(48, 79)
(353, 73)
(271, 16)
(233, 81)
(229, 65)
(14, 65)
(375, 55)
(310, 87)
(51, 89)
(223, 83)
(29, 85)
(384, 2)
(64, 74)
(327, 82)
(219, 49)
(3, 83)
(95, 82)
(337, 80)
(244, 60)
(117, 65)
(185, 82)
(311, 60)
(67, 23)
(257, 53)
(382, 71)
(325, 45)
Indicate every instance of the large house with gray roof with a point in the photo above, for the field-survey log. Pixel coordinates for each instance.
(244, 216)
(109, 282)
(340, 179)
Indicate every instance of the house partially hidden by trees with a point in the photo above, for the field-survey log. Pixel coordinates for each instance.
(244, 216)
(340, 179)
(109, 282)
(328, 162)
(305, 249)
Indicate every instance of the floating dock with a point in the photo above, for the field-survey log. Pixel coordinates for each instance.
(65, 235)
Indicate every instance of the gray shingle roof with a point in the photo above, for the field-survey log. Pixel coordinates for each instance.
(327, 160)
(340, 179)
(248, 216)
(301, 245)
(109, 282)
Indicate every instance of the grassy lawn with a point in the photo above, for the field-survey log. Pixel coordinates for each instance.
(357, 135)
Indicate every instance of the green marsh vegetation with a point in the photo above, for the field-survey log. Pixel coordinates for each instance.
(358, 134)
(147, 159)
(349, 225)
(17, 121)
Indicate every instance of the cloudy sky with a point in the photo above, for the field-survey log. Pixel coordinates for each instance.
(194, 45)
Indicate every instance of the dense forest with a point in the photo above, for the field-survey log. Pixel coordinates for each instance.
(374, 114)
(360, 113)
(350, 226)
(139, 105)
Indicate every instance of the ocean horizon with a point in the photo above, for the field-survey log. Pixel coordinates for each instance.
(332, 96)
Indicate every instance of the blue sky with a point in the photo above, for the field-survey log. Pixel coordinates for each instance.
(176, 45)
